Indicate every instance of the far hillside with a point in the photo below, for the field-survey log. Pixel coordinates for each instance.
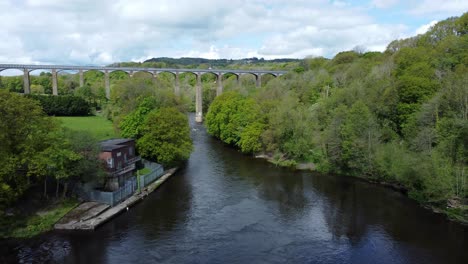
(201, 63)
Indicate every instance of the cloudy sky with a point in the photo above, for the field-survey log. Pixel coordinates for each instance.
(100, 32)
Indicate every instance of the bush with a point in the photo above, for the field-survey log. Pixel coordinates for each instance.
(63, 105)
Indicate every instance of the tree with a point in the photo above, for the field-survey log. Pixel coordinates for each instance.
(219, 119)
(236, 120)
(37, 89)
(25, 133)
(131, 125)
(359, 134)
(87, 167)
(54, 161)
(166, 137)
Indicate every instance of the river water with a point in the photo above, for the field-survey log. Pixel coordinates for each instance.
(225, 207)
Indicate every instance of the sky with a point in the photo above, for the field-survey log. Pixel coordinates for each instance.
(100, 32)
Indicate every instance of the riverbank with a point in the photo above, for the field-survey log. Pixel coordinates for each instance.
(90, 215)
(29, 225)
(22, 225)
(454, 211)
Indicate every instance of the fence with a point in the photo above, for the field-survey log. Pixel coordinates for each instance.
(157, 171)
(113, 198)
(131, 185)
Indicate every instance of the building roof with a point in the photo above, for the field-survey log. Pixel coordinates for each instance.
(115, 143)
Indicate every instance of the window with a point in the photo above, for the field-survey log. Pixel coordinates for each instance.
(110, 162)
(119, 154)
(130, 151)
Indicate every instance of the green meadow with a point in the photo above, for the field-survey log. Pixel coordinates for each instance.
(99, 126)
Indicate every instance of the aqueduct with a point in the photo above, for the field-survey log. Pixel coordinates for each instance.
(131, 70)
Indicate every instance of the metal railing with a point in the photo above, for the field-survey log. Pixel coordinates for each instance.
(130, 165)
(115, 197)
(157, 171)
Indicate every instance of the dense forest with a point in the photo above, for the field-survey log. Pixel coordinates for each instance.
(399, 117)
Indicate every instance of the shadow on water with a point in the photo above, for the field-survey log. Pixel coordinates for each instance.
(223, 206)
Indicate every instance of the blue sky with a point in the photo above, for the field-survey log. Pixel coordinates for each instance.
(101, 32)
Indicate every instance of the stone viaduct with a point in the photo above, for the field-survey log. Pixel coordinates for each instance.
(55, 69)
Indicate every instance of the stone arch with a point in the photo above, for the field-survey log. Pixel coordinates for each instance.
(40, 70)
(230, 74)
(98, 70)
(248, 77)
(255, 75)
(21, 70)
(116, 75)
(67, 70)
(164, 71)
(145, 71)
(101, 75)
(216, 75)
(51, 87)
(267, 77)
(17, 73)
(125, 71)
(270, 73)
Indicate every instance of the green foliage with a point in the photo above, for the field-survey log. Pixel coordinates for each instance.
(86, 166)
(63, 105)
(25, 133)
(71, 157)
(235, 120)
(92, 96)
(128, 94)
(400, 117)
(359, 133)
(54, 160)
(250, 137)
(12, 84)
(35, 148)
(345, 57)
(131, 125)
(166, 137)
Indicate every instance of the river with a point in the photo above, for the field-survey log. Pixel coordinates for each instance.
(225, 207)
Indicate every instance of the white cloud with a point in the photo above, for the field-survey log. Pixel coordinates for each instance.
(424, 28)
(105, 31)
(384, 3)
(323, 41)
(443, 7)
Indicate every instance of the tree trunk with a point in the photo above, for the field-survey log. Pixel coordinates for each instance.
(45, 186)
(65, 189)
(57, 189)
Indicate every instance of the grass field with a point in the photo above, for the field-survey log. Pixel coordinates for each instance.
(97, 125)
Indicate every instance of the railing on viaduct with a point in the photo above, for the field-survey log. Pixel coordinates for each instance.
(55, 69)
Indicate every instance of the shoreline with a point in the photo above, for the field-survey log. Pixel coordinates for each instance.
(45, 221)
(96, 215)
(297, 166)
